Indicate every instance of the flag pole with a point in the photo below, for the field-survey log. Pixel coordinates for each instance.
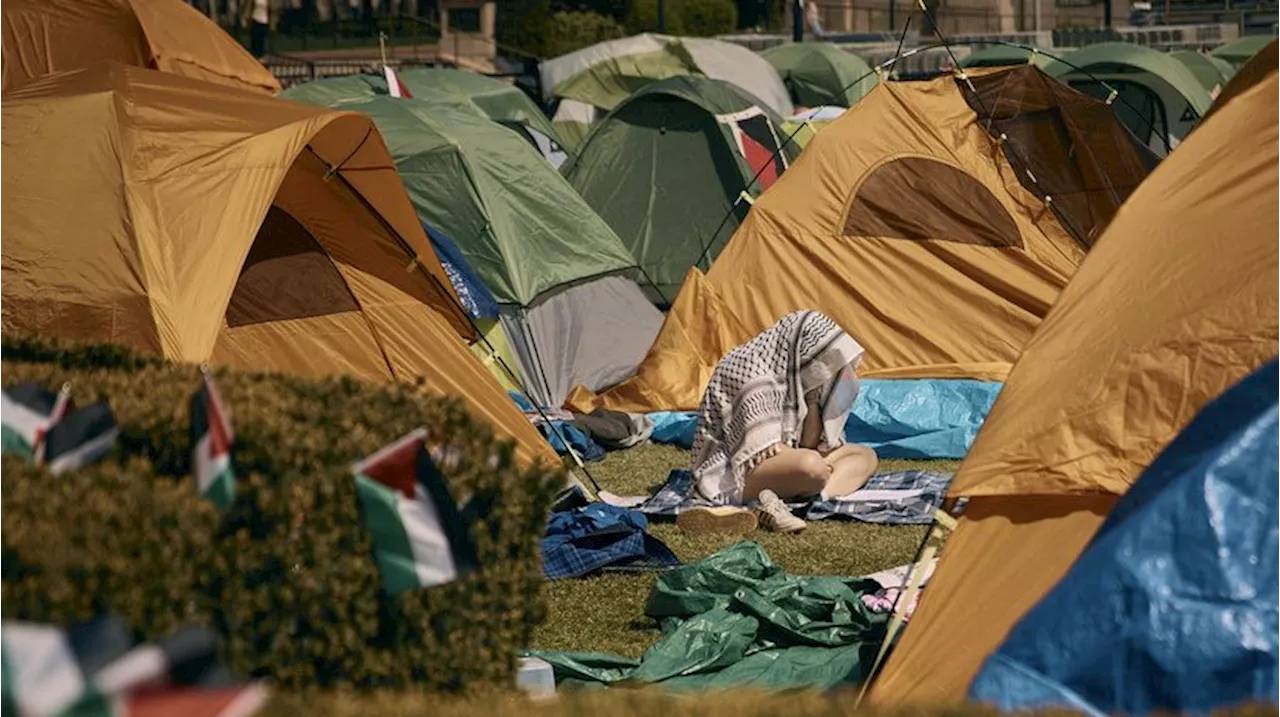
(382, 46)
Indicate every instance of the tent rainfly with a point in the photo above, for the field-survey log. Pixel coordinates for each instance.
(668, 170)
(46, 36)
(1167, 313)
(905, 204)
(208, 224)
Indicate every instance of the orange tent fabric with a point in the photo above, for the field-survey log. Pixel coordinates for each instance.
(1177, 302)
(204, 223)
(907, 221)
(46, 36)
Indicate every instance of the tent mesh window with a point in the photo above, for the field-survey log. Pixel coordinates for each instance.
(287, 275)
(926, 200)
(1062, 144)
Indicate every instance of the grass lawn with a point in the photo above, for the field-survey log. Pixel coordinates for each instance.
(606, 613)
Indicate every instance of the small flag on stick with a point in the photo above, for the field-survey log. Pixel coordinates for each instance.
(419, 537)
(211, 441)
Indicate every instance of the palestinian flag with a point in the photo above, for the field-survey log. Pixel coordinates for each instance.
(27, 411)
(419, 536)
(80, 438)
(394, 86)
(95, 669)
(211, 441)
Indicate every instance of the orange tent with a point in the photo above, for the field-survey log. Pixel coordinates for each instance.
(1175, 304)
(204, 223)
(45, 36)
(935, 221)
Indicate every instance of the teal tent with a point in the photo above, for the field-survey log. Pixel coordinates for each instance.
(673, 170)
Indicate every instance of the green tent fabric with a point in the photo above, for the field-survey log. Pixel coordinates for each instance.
(1239, 51)
(666, 170)
(499, 101)
(1005, 55)
(819, 73)
(605, 74)
(1212, 72)
(736, 619)
(521, 227)
(573, 121)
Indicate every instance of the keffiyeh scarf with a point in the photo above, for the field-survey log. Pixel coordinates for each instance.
(755, 400)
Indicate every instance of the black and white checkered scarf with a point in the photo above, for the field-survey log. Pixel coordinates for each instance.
(755, 400)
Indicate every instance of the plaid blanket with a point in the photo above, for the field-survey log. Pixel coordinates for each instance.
(583, 537)
(901, 498)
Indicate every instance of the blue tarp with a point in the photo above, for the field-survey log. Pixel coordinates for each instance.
(472, 292)
(556, 430)
(1173, 605)
(900, 418)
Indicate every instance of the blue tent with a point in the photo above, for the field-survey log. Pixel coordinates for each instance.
(475, 298)
(1173, 606)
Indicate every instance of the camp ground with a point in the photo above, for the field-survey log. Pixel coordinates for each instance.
(891, 368)
(674, 168)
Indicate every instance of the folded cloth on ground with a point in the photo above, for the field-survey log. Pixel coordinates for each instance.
(735, 619)
(557, 432)
(614, 429)
(901, 498)
(590, 537)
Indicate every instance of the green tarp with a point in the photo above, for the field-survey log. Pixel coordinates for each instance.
(735, 619)
(519, 224)
(819, 73)
(666, 168)
(497, 100)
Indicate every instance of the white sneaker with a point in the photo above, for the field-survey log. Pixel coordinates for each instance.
(774, 515)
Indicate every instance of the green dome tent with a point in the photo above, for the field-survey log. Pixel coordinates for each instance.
(1159, 99)
(1212, 72)
(500, 101)
(1005, 55)
(1239, 51)
(668, 167)
(819, 73)
(561, 277)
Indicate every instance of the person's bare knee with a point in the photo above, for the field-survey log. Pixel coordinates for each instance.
(791, 472)
(812, 466)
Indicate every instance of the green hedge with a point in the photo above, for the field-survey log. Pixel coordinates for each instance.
(286, 574)
(698, 18)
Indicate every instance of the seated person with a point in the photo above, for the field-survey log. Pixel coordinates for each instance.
(771, 422)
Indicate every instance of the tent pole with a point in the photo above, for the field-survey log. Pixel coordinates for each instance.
(797, 20)
(662, 16)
